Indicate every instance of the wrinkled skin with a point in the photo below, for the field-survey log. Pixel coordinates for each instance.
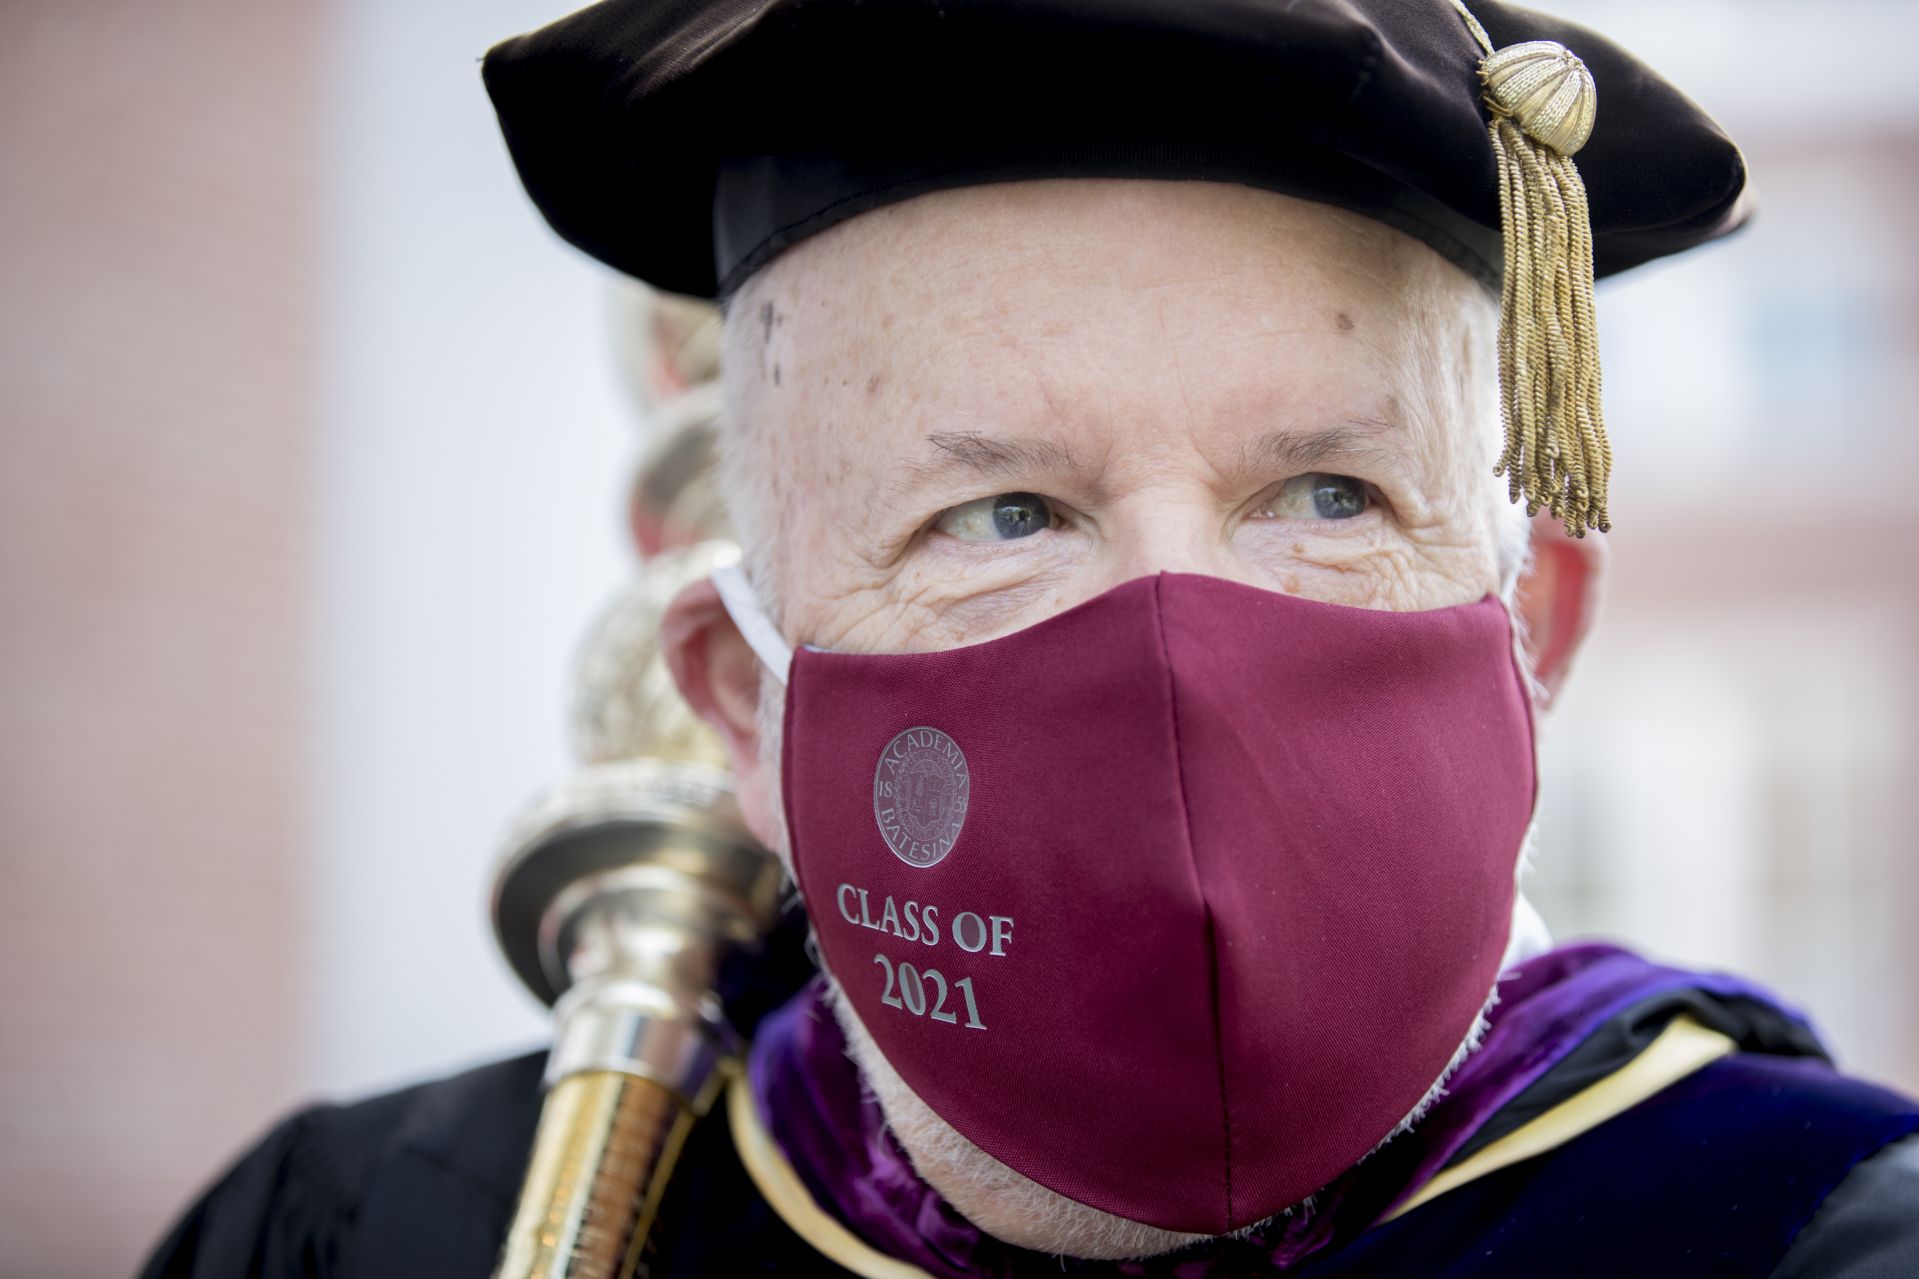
(1155, 358)
(1157, 361)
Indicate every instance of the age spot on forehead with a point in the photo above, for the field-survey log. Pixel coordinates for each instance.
(1344, 321)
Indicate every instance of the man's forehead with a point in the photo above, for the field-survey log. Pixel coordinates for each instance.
(1082, 240)
(981, 308)
(1022, 332)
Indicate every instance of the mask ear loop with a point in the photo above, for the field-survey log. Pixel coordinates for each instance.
(1529, 934)
(742, 604)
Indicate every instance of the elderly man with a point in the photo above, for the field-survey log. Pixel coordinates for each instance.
(1136, 663)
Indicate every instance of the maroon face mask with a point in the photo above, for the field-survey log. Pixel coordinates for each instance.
(1177, 902)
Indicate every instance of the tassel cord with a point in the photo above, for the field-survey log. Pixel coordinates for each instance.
(1555, 455)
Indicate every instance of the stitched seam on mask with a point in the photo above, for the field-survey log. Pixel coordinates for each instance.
(1212, 933)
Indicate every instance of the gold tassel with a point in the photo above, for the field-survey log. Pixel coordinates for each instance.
(1542, 101)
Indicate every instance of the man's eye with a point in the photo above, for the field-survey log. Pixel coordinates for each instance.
(1317, 496)
(997, 519)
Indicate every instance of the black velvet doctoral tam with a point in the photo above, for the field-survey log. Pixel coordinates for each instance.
(687, 142)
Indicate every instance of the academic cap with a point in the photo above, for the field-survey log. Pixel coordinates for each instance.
(687, 142)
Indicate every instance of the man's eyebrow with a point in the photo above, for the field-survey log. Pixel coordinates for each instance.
(973, 453)
(1295, 452)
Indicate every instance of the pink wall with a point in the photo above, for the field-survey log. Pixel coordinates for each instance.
(156, 218)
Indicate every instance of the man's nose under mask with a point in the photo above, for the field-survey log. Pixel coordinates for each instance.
(1177, 902)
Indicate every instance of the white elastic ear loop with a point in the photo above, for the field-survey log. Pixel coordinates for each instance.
(743, 606)
(1529, 936)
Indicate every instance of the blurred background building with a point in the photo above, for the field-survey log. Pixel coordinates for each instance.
(313, 451)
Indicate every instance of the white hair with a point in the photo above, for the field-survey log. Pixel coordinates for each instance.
(749, 462)
(1512, 545)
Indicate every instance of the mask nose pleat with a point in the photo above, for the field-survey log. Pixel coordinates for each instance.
(1210, 939)
(1357, 789)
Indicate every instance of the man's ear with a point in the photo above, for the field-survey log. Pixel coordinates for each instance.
(719, 676)
(1559, 597)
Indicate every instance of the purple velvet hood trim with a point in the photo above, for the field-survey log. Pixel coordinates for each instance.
(811, 1098)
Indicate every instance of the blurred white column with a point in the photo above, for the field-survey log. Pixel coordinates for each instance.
(471, 474)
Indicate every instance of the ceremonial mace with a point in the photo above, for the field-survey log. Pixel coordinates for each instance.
(622, 893)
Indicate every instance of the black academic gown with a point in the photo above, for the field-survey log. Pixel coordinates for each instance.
(1766, 1164)
(422, 1182)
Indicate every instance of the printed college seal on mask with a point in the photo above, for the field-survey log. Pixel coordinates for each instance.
(920, 791)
